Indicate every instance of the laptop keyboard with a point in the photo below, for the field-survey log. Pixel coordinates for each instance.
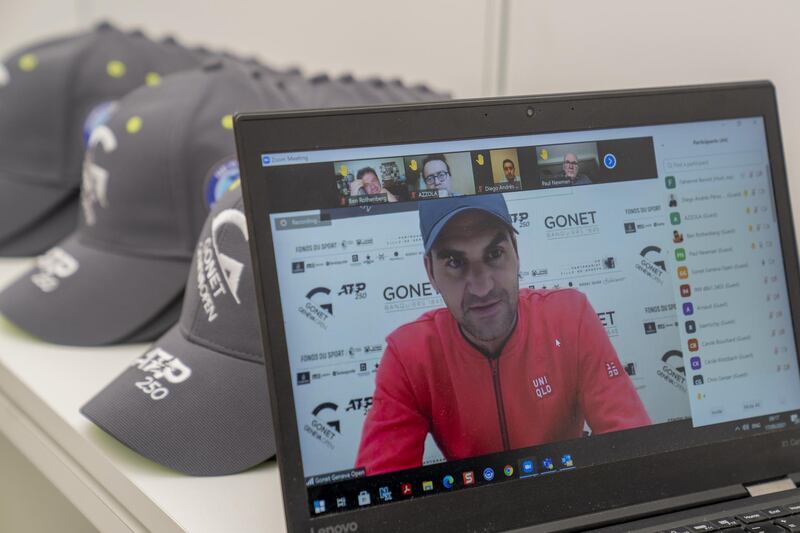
(777, 519)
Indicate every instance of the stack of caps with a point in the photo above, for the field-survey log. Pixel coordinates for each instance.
(151, 172)
(51, 96)
(156, 162)
(204, 381)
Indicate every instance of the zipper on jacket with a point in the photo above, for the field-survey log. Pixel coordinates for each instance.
(498, 395)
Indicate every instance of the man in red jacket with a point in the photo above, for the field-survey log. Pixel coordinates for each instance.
(501, 367)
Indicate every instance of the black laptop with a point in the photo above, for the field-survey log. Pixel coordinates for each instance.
(566, 312)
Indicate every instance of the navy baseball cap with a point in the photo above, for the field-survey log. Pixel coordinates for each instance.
(51, 95)
(209, 385)
(435, 214)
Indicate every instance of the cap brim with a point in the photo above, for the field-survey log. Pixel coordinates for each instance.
(215, 422)
(108, 298)
(45, 233)
(439, 226)
(24, 204)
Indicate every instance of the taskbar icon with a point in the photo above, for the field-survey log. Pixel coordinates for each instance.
(529, 466)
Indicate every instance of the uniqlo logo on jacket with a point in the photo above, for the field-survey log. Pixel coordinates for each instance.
(611, 369)
(542, 387)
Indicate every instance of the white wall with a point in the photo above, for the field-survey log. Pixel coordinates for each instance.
(577, 45)
(23, 21)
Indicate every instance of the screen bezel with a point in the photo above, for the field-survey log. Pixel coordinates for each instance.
(509, 505)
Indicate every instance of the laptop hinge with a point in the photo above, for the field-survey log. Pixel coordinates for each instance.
(770, 487)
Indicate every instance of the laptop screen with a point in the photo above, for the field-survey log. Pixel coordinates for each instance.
(478, 311)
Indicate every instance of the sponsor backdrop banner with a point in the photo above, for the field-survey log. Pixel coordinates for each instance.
(346, 283)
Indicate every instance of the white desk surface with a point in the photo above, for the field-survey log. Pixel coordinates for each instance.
(42, 386)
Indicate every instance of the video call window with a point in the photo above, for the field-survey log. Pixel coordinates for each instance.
(439, 175)
(371, 181)
(565, 165)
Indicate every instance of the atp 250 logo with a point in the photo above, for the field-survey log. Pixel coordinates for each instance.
(521, 219)
(358, 290)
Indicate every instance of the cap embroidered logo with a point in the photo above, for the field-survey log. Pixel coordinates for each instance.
(223, 177)
(97, 117)
(231, 268)
(160, 365)
(163, 365)
(95, 178)
(53, 266)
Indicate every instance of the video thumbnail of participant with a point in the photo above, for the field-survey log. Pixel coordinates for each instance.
(565, 165)
(506, 171)
(371, 181)
(439, 175)
(502, 170)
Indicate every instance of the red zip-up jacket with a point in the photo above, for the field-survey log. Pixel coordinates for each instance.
(556, 371)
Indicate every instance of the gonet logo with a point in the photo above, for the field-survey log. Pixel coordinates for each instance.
(405, 292)
(652, 264)
(674, 358)
(672, 371)
(410, 296)
(314, 296)
(324, 426)
(219, 273)
(318, 307)
(231, 268)
(584, 218)
(653, 254)
(328, 406)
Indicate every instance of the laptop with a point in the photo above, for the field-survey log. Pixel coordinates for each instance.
(567, 312)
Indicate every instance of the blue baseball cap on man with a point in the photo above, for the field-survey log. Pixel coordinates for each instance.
(435, 214)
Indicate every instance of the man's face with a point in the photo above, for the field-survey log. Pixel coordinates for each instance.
(474, 266)
(371, 183)
(570, 165)
(509, 170)
(436, 175)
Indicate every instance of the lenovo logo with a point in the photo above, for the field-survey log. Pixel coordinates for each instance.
(338, 528)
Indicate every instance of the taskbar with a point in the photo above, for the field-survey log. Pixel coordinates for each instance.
(353, 489)
(432, 479)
